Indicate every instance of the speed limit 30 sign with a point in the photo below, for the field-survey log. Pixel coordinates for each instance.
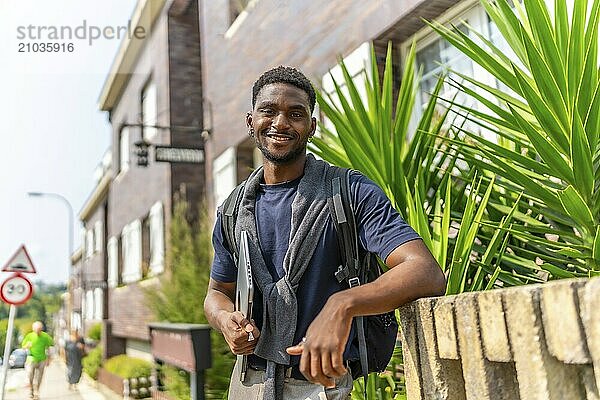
(16, 290)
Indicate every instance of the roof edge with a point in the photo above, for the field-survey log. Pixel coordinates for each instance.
(145, 14)
(96, 197)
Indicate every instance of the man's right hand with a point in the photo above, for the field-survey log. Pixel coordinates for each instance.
(236, 330)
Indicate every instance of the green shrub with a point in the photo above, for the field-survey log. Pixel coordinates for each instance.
(128, 367)
(92, 362)
(95, 332)
(176, 381)
(176, 300)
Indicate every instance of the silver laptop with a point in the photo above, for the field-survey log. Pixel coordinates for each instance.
(244, 291)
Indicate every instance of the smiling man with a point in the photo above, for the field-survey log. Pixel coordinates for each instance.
(300, 343)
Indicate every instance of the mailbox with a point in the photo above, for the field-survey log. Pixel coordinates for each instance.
(186, 346)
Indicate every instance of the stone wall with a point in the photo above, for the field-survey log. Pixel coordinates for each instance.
(537, 342)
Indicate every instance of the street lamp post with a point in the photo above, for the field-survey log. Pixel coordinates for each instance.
(66, 202)
(71, 216)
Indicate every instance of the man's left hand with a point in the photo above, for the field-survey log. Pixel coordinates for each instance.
(322, 350)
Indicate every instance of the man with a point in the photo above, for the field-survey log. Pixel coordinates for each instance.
(37, 343)
(304, 314)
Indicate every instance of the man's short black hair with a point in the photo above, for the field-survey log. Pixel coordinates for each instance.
(288, 75)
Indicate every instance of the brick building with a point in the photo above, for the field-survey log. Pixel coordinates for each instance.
(242, 39)
(91, 277)
(193, 70)
(153, 94)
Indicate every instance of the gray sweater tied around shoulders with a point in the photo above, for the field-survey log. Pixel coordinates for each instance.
(280, 308)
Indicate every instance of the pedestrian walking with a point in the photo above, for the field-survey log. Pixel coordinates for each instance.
(74, 352)
(301, 342)
(37, 343)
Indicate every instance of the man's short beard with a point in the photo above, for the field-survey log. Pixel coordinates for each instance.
(284, 159)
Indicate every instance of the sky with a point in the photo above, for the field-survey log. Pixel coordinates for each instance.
(52, 133)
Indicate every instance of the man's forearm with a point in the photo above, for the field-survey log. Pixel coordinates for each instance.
(406, 282)
(215, 304)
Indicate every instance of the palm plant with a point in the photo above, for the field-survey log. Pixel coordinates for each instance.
(548, 128)
(371, 135)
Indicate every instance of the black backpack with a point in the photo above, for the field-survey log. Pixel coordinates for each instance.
(376, 334)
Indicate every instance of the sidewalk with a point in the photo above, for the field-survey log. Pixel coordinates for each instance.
(54, 386)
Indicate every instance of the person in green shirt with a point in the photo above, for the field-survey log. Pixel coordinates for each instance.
(36, 342)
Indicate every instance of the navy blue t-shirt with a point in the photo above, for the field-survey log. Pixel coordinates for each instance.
(381, 230)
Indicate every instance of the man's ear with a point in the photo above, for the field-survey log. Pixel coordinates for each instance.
(313, 126)
(249, 119)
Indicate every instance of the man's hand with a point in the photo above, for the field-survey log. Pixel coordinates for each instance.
(238, 331)
(322, 350)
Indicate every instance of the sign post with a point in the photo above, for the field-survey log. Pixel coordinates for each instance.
(16, 290)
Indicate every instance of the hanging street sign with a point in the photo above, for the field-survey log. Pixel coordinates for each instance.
(16, 290)
(178, 155)
(20, 262)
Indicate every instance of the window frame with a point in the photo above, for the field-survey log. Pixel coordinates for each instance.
(157, 239)
(124, 151)
(112, 252)
(98, 236)
(148, 134)
(224, 163)
(468, 11)
(98, 295)
(131, 244)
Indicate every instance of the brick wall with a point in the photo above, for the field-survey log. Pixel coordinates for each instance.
(129, 315)
(307, 34)
(171, 59)
(529, 342)
(185, 83)
(93, 267)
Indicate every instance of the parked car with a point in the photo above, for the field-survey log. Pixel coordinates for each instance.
(17, 358)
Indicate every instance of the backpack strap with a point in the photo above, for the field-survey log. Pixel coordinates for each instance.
(350, 270)
(229, 216)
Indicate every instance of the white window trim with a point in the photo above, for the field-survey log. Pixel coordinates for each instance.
(124, 166)
(224, 183)
(157, 239)
(235, 25)
(98, 236)
(358, 63)
(149, 92)
(89, 243)
(89, 305)
(112, 251)
(98, 303)
(132, 252)
(464, 10)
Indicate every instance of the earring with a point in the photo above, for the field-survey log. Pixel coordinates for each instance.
(251, 132)
(310, 139)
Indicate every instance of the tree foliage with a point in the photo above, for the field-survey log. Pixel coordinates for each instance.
(184, 286)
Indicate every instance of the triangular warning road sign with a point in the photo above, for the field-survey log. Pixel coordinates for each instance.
(20, 262)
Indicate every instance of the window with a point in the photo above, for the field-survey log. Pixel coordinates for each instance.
(358, 64)
(157, 239)
(89, 305)
(124, 150)
(76, 321)
(235, 9)
(112, 250)
(149, 111)
(98, 303)
(437, 57)
(132, 252)
(224, 175)
(89, 243)
(82, 236)
(98, 236)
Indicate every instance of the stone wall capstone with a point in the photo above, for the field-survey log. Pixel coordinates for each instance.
(534, 342)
